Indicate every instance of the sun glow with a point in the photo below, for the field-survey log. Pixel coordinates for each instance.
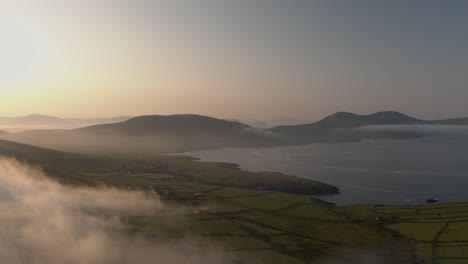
(18, 55)
(28, 53)
(12, 58)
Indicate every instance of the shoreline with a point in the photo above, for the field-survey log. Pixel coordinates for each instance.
(319, 188)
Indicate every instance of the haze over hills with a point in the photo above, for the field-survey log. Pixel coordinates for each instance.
(48, 158)
(34, 121)
(145, 134)
(183, 125)
(271, 122)
(453, 121)
(345, 119)
(345, 122)
(349, 120)
(178, 133)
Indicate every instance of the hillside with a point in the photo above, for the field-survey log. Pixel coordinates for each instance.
(244, 212)
(241, 211)
(179, 133)
(340, 127)
(175, 133)
(186, 125)
(34, 154)
(257, 217)
(66, 164)
(349, 120)
(56, 163)
(344, 119)
(453, 121)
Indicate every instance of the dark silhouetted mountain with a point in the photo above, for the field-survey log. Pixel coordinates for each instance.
(271, 122)
(344, 119)
(178, 133)
(339, 126)
(48, 158)
(145, 134)
(174, 125)
(453, 121)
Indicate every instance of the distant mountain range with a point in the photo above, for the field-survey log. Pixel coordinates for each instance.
(340, 126)
(272, 122)
(177, 133)
(145, 134)
(173, 125)
(53, 121)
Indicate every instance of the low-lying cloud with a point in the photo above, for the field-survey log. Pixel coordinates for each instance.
(419, 130)
(42, 221)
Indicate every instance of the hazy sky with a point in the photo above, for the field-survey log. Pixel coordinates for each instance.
(238, 58)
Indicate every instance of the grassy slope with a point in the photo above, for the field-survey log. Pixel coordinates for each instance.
(63, 166)
(264, 226)
(440, 232)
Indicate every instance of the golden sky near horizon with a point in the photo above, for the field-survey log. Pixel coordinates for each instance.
(67, 58)
(242, 59)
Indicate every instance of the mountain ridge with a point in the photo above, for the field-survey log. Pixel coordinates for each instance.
(186, 123)
(346, 121)
(185, 132)
(153, 133)
(38, 119)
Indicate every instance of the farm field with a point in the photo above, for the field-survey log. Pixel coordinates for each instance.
(440, 232)
(249, 217)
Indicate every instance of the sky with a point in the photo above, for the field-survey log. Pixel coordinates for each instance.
(245, 59)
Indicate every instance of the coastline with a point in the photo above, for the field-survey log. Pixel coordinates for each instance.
(292, 184)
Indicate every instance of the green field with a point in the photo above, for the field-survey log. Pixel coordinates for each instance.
(440, 232)
(247, 214)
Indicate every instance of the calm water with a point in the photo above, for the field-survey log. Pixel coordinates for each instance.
(382, 172)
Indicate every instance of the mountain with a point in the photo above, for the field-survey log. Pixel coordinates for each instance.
(44, 121)
(48, 158)
(273, 122)
(174, 133)
(341, 127)
(180, 125)
(453, 121)
(179, 133)
(345, 119)
(3, 132)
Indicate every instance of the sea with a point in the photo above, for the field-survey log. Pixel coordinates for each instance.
(390, 172)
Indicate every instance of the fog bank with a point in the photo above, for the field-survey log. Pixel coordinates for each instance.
(42, 221)
(418, 130)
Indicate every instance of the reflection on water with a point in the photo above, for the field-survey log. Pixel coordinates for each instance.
(383, 172)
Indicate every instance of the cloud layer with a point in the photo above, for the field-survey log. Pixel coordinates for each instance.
(42, 221)
(418, 130)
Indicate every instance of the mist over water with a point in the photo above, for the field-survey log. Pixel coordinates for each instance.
(42, 221)
(372, 171)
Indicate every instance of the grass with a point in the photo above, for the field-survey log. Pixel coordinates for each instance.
(258, 229)
(313, 212)
(260, 217)
(216, 227)
(228, 192)
(424, 252)
(261, 203)
(418, 231)
(455, 232)
(451, 251)
(442, 231)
